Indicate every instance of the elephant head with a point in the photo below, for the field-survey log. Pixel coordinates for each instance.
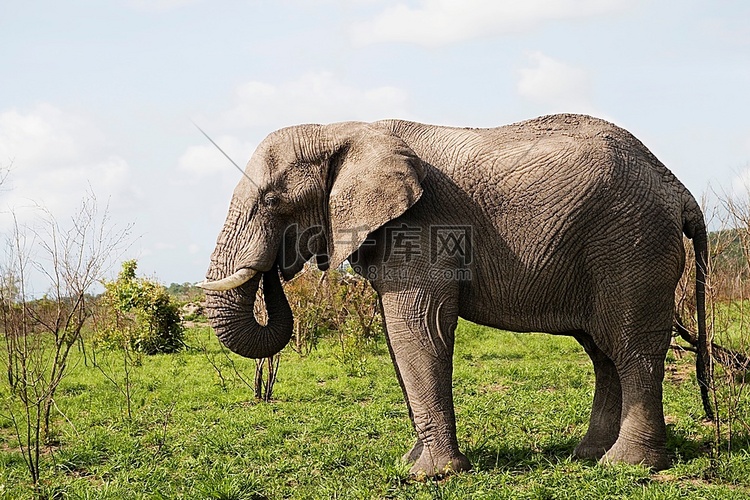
(308, 191)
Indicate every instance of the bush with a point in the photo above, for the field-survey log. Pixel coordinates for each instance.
(138, 313)
(336, 304)
(190, 299)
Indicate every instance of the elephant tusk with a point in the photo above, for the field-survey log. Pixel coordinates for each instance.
(230, 282)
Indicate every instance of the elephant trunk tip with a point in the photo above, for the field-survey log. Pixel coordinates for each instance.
(232, 315)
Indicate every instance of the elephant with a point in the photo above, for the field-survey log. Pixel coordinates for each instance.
(564, 224)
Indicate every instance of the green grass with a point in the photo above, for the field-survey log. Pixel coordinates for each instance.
(522, 403)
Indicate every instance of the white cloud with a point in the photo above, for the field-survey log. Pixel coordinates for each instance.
(555, 85)
(315, 97)
(440, 22)
(45, 136)
(56, 158)
(740, 184)
(200, 163)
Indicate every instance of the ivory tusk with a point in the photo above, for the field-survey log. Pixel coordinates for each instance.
(239, 278)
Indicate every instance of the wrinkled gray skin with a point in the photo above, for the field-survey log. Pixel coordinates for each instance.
(576, 229)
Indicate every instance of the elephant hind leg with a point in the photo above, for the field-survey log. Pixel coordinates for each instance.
(604, 423)
(643, 434)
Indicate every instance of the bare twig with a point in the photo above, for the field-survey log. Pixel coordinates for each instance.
(733, 360)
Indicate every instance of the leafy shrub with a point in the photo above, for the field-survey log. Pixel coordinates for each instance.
(190, 299)
(138, 313)
(335, 304)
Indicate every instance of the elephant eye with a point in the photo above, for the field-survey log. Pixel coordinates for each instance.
(271, 200)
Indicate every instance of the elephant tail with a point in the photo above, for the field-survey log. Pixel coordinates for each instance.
(694, 228)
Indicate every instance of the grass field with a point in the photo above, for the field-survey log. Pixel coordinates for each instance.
(338, 427)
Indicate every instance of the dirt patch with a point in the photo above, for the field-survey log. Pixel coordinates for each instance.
(670, 419)
(494, 388)
(677, 373)
(699, 483)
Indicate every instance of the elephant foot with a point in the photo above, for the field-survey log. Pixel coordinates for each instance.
(430, 465)
(589, 451)
(593, 449)
(637, 454)
(413, 455)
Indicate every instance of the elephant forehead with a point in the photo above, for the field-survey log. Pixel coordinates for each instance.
(259, 169)
(259, 176)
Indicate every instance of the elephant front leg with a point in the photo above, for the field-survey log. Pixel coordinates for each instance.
(420, 329)
(412, 455)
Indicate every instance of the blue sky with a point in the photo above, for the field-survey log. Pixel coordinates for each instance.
(100, 95)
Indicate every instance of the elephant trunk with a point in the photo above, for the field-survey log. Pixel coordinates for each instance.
(231, 314)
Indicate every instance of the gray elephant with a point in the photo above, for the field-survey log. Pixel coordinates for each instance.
(563, 224)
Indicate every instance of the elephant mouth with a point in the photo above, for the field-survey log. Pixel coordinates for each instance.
(237, 279)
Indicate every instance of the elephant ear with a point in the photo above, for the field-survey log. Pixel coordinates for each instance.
(376, 178)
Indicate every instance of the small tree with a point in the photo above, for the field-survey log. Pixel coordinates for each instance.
(40, 332)
(140, 312)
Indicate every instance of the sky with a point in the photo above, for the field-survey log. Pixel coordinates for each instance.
(102, 96)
